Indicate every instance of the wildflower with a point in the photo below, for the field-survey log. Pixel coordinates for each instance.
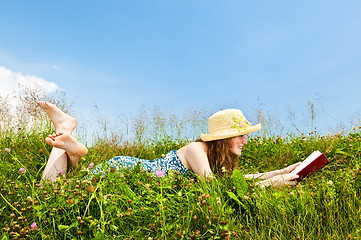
(53, 180)
(160, 173)
(91, 165)
(224, 169)
(33, 227)
(91, 189)
(180, 194)
(163, 156)
(329, 183)
(22, 170)
(61, 172)
(7, 150)
(23, 232)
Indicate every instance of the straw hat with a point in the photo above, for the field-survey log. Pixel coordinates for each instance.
(228, 123)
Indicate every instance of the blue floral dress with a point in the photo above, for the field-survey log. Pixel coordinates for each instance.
(170, 162)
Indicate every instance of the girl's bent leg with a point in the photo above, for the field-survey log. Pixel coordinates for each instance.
(66, 149)
(57, 163)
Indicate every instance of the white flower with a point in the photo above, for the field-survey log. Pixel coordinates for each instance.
(224, 169)
(180, 194)
(329, 183)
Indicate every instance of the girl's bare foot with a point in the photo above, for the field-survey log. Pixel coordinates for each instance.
(62, 122)
(68, 143)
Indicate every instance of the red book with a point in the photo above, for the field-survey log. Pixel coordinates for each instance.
(311, 164)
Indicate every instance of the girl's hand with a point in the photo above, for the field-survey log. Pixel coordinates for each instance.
(290, 168)
(280, 180)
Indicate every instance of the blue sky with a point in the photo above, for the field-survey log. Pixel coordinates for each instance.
(190, 54)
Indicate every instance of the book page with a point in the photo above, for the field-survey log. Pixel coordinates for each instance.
(307, 161)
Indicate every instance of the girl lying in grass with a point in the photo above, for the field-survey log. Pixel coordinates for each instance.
(216, 152)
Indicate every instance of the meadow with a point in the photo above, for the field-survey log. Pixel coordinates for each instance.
(134, 204)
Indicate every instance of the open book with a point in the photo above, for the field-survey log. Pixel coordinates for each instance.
(311, 164)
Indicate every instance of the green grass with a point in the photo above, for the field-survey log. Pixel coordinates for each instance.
(137, 205)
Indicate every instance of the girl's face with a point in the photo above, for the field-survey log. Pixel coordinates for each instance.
(237, 144)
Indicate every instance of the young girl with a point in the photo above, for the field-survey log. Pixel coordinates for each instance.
(216, 152)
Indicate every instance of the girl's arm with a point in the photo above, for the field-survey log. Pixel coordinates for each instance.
(279, 180)
(274, 173)
(265, 175)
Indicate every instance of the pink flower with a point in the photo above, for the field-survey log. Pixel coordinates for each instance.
(91, 165)
(241, 124)
(53, 180)
(160, 173)
(22, 170)
(33, 227)
(7, 150)
(61, 172)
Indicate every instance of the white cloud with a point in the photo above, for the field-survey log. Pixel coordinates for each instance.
(55, 67)
(10, 81)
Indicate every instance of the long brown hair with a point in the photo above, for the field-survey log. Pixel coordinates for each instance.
(220, 156)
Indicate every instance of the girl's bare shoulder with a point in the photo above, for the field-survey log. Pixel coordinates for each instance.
(195, 146)
(191, 152)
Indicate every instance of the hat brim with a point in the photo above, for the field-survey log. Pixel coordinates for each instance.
(212, 137)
